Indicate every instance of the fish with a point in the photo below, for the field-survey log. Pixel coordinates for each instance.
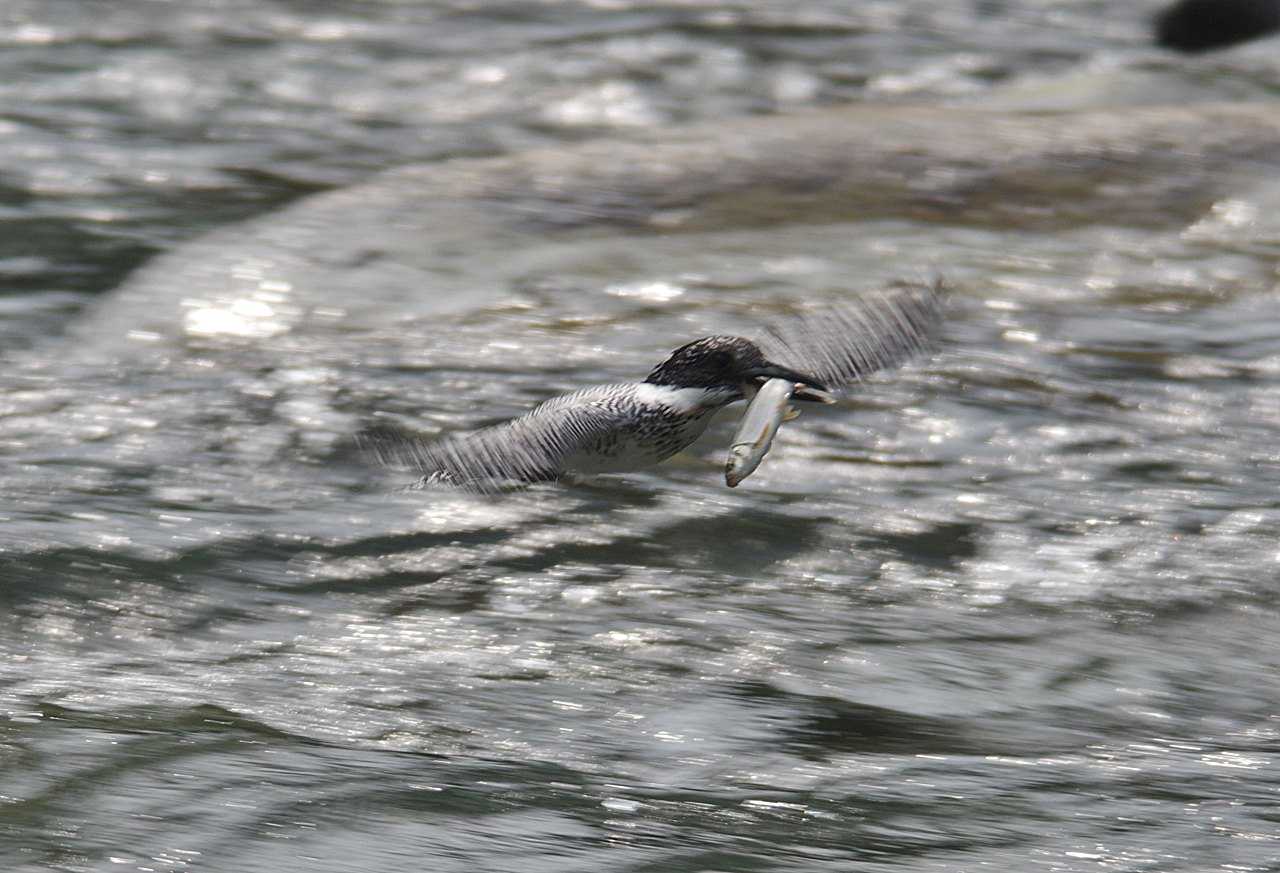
(770, 407)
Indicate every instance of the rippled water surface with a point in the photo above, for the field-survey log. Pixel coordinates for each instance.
(1014, 606)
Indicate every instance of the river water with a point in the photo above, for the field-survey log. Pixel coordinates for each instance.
(1015, 606)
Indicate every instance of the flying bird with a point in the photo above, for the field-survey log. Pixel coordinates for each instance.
(632, 425)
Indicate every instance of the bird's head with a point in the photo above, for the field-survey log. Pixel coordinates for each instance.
(731, 366)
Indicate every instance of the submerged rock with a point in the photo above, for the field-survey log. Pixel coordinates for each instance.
(449, 236)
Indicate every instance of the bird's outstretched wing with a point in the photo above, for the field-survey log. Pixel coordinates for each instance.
(532, 448)
(842, 343)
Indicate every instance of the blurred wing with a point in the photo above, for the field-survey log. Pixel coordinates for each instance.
(532, 448)
(847, 341)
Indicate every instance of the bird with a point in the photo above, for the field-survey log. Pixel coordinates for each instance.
(628, 426)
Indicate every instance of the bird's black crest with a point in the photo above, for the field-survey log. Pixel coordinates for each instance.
(708, 362)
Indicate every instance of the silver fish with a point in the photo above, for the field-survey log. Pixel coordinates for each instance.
(767, 411)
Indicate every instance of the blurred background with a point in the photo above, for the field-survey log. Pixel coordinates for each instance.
(1014, 606)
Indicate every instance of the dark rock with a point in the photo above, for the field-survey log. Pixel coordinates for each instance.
(1202, 25)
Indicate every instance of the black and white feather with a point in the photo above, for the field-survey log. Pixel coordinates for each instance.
(615, 428)
(845, 342)
(603, 429)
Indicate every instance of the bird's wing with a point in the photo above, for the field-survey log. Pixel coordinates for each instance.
(532, 448)
(842, 343)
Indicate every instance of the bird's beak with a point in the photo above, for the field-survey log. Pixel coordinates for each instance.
(808, 388)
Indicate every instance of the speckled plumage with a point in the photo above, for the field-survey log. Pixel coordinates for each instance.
(602, 429)
(628, 426)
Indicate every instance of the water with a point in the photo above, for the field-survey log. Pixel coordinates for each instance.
(1013, 606)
